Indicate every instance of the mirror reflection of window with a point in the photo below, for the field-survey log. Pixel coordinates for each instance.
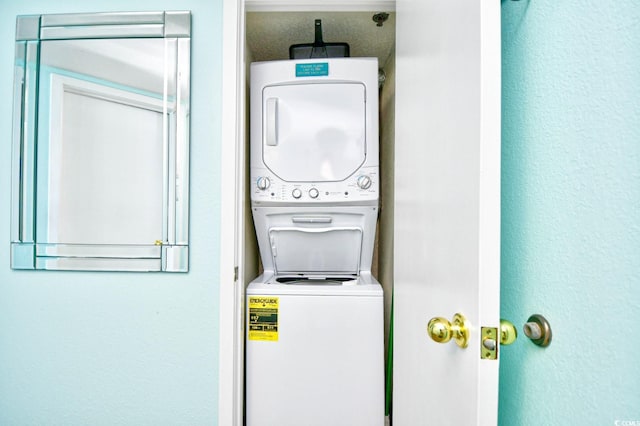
(101, 131)
(112, 154)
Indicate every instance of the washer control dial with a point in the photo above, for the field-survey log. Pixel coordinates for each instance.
(313, 193)
(296, 193)
(263, 183)
(364, 182)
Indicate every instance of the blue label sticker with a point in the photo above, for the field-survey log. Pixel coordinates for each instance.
(312, 70)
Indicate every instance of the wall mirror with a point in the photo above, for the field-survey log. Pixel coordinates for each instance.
(101, 142)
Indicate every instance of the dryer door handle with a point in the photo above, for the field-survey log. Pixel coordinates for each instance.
(271, 122)
(311, 219)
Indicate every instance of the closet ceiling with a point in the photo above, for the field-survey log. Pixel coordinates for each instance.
(269, 34)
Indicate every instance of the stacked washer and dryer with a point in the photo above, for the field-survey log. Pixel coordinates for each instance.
(314, 346)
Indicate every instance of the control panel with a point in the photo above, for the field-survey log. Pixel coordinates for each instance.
(362, 186)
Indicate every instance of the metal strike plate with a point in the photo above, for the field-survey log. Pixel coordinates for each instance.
(489, 343)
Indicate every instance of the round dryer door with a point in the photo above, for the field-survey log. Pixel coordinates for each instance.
(314, 132)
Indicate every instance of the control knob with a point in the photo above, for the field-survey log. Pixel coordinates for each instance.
(364, 182)
(313, 193)
(263, 183)
(296, 193)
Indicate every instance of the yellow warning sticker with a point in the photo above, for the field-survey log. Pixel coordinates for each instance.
(263, 318)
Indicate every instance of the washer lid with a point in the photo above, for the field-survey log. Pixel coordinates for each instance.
(314, 132)
(316, 250)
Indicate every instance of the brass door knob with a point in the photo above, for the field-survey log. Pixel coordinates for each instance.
(508, 332)
(441, 330)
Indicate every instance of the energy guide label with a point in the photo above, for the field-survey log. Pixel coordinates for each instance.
(263, 318)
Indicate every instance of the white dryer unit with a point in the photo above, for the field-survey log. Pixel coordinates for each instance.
(314, 349)
(314, 131)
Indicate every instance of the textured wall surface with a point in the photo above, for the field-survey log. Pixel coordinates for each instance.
(269, 34)
(571, 210)
(117, 348)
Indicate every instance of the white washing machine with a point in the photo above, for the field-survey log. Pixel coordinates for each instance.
(314, 346)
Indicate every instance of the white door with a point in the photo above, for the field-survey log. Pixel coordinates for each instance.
(447, 208)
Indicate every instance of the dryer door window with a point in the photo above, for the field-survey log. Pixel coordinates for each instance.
(314, 132)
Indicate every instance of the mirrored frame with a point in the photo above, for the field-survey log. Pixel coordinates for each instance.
(100, 158)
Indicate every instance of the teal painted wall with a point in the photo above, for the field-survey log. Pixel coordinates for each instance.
(117, 348)
(571, 210)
